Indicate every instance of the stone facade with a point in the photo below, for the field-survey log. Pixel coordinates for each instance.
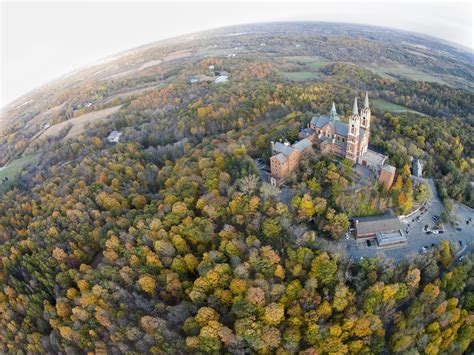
(347, 140)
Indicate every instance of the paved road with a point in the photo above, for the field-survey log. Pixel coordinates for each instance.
(417, 238)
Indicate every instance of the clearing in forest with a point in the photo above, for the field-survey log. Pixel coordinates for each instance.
(79, 123)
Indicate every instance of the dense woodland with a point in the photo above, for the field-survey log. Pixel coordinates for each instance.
(168, 242)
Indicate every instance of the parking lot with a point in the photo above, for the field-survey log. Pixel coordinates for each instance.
(418, 240)
(421, 228)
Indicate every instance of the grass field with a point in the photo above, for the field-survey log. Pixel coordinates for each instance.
(410, 73)
(79, 123)
(317, 65)
(14, 168)
(300, 75)
(383, 105)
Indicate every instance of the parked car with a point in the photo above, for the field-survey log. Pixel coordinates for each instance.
(429, 232)
(460, 243)
(459, 229)
(418, 219)
(369, 244)
(435, 232)
(441, 231)
(433, 245)
(461, 258)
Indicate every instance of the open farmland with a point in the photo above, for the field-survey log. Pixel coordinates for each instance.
(79, 123)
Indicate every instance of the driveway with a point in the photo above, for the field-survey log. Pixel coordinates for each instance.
(417, 238)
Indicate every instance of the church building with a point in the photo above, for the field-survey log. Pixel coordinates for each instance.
(347, 140)
(331, 135)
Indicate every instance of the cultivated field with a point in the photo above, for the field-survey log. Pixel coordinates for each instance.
(300, 75)
(79, 123)
(383, 105)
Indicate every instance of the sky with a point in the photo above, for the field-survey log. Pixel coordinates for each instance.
(41, 41)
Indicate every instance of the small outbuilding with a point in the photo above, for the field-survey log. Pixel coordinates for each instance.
(221, 79)
(114, 136)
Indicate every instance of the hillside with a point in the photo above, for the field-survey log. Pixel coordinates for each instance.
(169, 242)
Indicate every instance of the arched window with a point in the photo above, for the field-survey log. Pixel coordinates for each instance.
(352, 129)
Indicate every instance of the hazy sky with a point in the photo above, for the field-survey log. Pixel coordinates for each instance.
(41, 41)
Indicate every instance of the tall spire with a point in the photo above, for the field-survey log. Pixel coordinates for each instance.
(366, 102)
(333, 114)
(355, 110)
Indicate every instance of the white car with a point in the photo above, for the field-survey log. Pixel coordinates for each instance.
(435, 232)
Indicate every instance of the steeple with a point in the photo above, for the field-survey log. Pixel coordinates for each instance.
(366, 102)
(355, 110)
(333, 114)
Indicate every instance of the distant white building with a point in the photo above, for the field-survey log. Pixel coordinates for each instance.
(221, 79)
(114, 136)
(211, 67)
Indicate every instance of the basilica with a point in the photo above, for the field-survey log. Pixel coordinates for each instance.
(331, 135)
(347, 140)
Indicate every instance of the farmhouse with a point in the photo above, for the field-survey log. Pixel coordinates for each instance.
(221, 79)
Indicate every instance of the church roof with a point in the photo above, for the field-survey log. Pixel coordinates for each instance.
(341, 128)
(320, 121)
